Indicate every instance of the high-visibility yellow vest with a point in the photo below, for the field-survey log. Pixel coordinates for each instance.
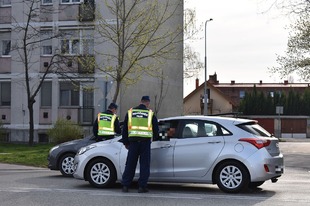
(106, 124)
(140, 123)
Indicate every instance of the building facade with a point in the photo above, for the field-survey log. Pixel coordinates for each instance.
(64, 96)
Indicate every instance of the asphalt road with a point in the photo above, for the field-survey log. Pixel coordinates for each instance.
(31, 186)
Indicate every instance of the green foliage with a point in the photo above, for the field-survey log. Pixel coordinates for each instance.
(296, 58)
(25, 155)
(2, 132)
(305, 102)
(258, 104)
(65, 130)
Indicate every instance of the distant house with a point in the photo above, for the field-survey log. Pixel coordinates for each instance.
(235, 91)
(218, 102)
(225, 98)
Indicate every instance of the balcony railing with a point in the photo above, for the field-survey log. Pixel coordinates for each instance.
(87, 11)
(86, 64)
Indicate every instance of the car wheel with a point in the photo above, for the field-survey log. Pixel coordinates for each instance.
(232, 177)
(101, 173)
(66, 165)
(255, 184)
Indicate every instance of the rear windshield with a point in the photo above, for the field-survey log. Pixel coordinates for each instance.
(254, 128)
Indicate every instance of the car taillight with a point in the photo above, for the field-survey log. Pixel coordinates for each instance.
(258, 143)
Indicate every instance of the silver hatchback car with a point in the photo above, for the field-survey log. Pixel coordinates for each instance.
(230, 152)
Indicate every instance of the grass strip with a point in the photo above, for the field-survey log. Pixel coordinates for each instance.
(25, 155)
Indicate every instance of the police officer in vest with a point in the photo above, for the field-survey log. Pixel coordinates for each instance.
(107, 124)
(140, 125)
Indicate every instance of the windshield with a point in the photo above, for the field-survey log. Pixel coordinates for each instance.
(254, 128)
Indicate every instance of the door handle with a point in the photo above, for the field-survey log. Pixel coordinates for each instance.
(166, 146)
(214, 142)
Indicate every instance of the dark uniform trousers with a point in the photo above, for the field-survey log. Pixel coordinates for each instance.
(136, 149)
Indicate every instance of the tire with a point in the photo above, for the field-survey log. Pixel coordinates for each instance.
(101, 173)
(232, 177)
(66, 165)
(255, 184)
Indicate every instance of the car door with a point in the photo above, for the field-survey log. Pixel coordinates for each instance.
(161, 153)
(198, 145)
(162, 149)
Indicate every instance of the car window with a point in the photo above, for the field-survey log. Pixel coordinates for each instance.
(199, 128)
(225, 132)
(167, 129)
(254, 128)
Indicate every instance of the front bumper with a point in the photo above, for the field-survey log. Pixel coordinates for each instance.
(52, 162)
(80, 162)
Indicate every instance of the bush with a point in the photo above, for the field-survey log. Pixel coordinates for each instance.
(65, 130)
(2, 133)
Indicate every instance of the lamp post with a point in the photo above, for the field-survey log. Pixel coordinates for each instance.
(206, 92)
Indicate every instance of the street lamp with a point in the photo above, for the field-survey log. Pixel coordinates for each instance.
(206, 93)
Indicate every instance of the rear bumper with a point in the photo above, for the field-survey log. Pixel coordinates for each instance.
(264, 167)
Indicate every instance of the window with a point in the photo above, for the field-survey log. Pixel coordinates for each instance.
(225, 132)
(46, 42)
(69, 94)
(70, 1)
(88, 46)
(271, 93)
(5, 95)
(5, 44)
(254, 128)
(77, 42)
(47, 1)
(198, 128)
(70, 46)
(167, 129)
(6, 47)
(46, 94)
(5, 2)
(241, 94)
(88, 105)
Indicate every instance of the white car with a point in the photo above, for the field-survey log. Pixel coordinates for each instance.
(230, 152)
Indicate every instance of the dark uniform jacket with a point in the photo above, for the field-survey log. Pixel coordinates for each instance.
(117, 128)
(126, 140)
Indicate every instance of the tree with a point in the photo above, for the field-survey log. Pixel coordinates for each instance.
(158, 100)
(139, 40)
(191, 59)
(306, 102)
(27, 47)
(291, 8)
(297, 58)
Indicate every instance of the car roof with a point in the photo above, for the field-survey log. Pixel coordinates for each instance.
(219, 119)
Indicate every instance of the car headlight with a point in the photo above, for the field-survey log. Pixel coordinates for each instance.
(85, 149)
(53, 148)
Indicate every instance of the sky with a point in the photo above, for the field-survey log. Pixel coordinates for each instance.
(242, 41)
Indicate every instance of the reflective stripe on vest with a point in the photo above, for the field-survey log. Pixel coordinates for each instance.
(106, 124)
(145, 128)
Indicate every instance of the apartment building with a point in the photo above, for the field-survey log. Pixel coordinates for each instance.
(65, 96)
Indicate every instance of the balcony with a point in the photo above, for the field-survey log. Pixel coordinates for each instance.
(86, 64)
(87, 11)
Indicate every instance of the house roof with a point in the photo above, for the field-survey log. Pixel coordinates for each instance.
(262, 85)
(212, 87)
